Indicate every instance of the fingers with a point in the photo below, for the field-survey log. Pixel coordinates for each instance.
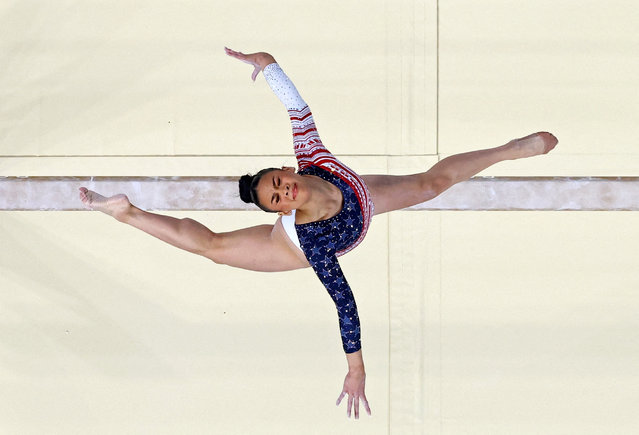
(239, 55)
(366, 407)
(233, 53)
(256, 71)
(357, 408)
(246, 59)
(236, 54)
(353, 400)
(84, 192)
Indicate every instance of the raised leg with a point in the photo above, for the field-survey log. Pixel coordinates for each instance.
(393, 192)
(258, 248)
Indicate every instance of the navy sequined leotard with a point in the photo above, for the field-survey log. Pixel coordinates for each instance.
(323, 241)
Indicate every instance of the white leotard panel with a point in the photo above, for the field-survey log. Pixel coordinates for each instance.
(288, 222)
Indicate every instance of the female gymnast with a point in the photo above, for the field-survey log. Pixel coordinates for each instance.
(325, 210)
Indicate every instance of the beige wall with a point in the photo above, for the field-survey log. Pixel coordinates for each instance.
(473, 322)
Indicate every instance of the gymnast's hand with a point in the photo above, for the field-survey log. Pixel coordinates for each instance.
(354, 386)
(258, 60)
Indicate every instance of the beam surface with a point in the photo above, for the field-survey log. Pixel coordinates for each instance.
(220, 193)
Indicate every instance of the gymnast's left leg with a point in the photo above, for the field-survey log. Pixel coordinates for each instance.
(394, 192)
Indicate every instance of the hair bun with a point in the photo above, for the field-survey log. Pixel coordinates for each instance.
(245, 188)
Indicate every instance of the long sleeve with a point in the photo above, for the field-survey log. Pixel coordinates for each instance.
(307, 144)
(328, 270)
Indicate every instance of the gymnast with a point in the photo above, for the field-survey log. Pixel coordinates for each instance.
(324, 209)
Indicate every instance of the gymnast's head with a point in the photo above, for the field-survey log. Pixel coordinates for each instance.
(273, 190)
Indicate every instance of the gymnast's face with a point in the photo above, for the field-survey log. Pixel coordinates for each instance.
(281, 190)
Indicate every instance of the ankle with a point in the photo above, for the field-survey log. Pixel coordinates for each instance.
(125, 212)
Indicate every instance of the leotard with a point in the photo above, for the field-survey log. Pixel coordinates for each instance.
(323, 241)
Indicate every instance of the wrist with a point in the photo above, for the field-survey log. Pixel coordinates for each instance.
(264, 59)
(359, 370)
(355, 362)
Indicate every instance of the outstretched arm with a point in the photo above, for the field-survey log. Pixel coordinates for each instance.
(307, 144)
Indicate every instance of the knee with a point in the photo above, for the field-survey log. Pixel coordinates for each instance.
(215, 249)
(432, 185)
(205, 242)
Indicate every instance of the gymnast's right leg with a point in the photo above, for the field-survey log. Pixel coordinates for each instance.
(256, 248)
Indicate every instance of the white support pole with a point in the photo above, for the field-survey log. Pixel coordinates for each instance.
(221, 193)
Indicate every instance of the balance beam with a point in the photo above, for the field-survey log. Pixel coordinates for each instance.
(221, 193)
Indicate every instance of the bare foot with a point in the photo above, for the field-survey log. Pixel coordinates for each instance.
(116, 205)
(533, 145)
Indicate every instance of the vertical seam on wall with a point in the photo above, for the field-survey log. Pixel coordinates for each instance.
(437, 81)
(441, 296)
(388, 284)
(441, 327)
(388, 278)
(387, 93)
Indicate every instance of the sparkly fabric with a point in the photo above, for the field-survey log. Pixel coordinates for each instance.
(323, 241)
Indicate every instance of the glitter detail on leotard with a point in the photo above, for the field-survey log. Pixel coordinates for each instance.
(322, 242)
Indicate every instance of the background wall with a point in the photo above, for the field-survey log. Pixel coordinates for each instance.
(473, 322)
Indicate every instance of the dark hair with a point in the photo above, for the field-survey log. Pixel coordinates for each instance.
(248, 188)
